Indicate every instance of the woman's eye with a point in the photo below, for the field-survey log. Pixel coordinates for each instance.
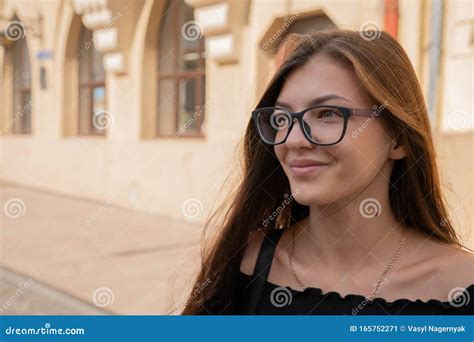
(328, 114)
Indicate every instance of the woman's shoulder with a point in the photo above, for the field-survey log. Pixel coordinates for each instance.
(456, 267)
(455, 277)
(443, 270)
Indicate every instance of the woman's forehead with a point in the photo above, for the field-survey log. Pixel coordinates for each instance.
(322, 76)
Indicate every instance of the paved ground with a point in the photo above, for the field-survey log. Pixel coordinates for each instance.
(62, 255)
(22, 295)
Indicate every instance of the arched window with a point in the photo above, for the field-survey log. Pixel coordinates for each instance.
(305, 25)
(181, 73)
(91, 86)
(21, 120)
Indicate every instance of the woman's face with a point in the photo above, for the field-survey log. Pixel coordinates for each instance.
(353, 163)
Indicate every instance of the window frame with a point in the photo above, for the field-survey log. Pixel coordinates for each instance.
(18, 55)
(89, 85)
(177, 75)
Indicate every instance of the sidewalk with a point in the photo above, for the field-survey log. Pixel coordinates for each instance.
(117, 260)
(20, 295)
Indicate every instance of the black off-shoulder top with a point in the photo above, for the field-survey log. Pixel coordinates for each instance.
(260, 297)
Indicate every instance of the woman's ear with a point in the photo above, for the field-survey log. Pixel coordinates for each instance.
(397, 151)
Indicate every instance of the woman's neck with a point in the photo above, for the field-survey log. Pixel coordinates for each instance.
(348, 238)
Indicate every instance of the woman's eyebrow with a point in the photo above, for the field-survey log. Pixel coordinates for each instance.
(315, 101)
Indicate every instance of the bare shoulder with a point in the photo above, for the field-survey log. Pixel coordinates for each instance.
(251, 252)
(452, 266)
(434, 269)
(456, 266)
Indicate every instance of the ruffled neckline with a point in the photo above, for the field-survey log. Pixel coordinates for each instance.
(359, 298)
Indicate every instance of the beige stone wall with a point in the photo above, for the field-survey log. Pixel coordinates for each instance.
(457, 169)
(131, 168)
(155, 175)
(456, 115)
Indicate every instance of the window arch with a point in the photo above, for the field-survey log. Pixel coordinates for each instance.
(317, 21)
(21, 118)
(91, 100)
(181, 73)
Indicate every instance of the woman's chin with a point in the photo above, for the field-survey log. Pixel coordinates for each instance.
(308, 199)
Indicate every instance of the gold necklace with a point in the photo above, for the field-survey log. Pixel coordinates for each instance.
(382, 276)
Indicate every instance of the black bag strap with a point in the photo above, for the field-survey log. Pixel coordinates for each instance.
(262, 268)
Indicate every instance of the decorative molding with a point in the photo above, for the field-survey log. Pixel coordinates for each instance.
(213, 18)
(97, 19)
(220, 47)
(112, 30)
(115, 62)
(221, 23)
(106, 39)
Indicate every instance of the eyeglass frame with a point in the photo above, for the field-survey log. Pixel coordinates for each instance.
(346, 112)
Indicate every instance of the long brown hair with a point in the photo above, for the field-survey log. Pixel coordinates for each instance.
(415, 194)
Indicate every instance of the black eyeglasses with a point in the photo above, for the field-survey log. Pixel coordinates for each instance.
(321, 125)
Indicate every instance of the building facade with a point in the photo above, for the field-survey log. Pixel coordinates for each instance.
(142, 103)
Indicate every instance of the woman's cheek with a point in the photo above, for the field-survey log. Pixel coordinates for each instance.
(343, 175)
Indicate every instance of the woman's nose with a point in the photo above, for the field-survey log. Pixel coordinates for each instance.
(296, 137)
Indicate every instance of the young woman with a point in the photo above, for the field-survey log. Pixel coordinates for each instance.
(340, 208)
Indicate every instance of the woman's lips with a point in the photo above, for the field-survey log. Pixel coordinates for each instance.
(308, 170)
